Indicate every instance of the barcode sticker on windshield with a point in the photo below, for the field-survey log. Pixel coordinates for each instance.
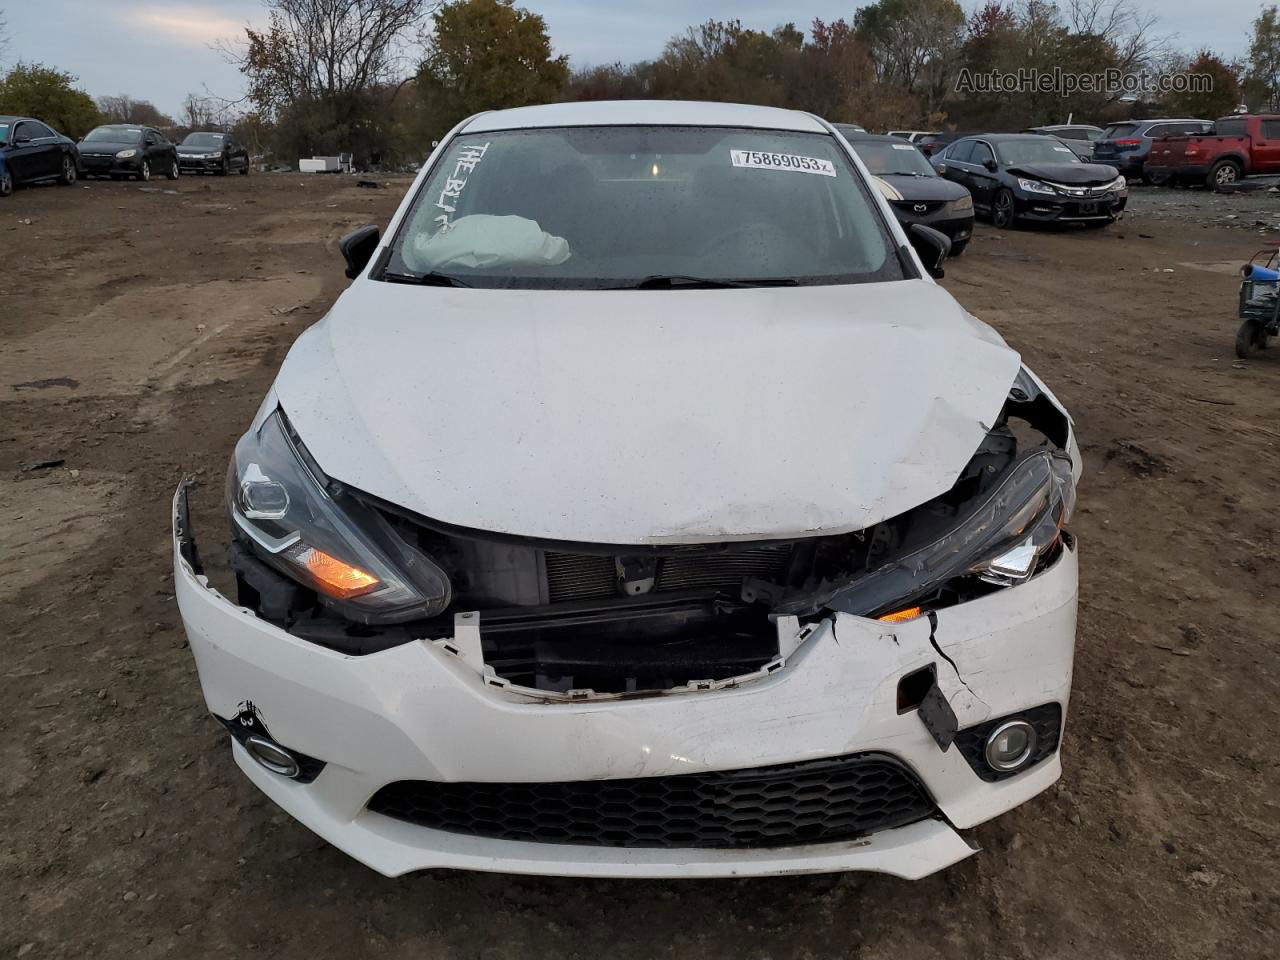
(782, 161)
(903, 146)
(1063, 149)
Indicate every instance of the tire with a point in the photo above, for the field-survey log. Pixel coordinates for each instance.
(1003, 216)
(68, 175)
(144, 171)
(1155, 179)
(1250, 338)
(225, 168)
(958, 248)
(1223, 173)
(6, 183)
(174, 172)
(244, 171)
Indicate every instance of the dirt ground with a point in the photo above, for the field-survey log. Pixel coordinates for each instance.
(140, 331)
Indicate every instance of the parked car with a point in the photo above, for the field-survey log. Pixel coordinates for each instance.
(912, 136)
(119, 150)
(1032, 178)
(541, 559)
(1127, 145)
(1238, 146)
(33, 152)
(913, 188)
(1079, 137)
(209, 152)
(931, 143)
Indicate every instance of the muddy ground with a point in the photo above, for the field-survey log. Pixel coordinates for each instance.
(139, 332)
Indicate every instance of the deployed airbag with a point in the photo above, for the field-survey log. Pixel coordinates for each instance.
(484, 241)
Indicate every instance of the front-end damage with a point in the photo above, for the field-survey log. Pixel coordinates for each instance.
(557, 621)
(567, 668)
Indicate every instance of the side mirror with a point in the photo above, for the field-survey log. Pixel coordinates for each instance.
(21, 138)
(940, 167)
(990, 165)
(357, 248)
(934, 247)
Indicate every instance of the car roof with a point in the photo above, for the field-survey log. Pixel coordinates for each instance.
(7, 119)
(874, 137)
(1066, 126)
(645, 113)
(1002, 137)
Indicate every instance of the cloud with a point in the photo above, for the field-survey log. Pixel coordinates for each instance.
(192, 26)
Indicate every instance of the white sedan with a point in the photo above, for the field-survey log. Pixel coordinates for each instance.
(644, 509)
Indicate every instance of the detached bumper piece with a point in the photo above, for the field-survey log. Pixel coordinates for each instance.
(814, 801)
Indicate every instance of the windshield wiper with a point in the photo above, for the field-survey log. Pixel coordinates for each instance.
(432, 279)
(660, 281)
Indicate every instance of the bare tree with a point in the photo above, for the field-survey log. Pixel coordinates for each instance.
(1129, 33)
(331, 51)
(122, 108)
(203, 113)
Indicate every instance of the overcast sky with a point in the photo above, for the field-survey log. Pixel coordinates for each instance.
(158, 50)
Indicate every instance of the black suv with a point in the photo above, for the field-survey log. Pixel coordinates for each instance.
(217, 153)
(32, 152)
(128, 150)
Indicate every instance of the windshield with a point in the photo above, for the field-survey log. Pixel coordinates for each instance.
(1039, 150)
(202, 140)
(602, 207)
(1117, 130)
(4, 133)
(115, 134)
(887, 159)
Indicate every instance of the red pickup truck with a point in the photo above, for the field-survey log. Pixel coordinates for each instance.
(1237, 147)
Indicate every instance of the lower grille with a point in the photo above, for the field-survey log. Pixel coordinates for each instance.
(572, 576)
(814, 801)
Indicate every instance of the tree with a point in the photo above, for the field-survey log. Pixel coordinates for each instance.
(1263, 85)
(34, 90)
(1220, 100)
(722, 60)
(122, 108)
(486, 55)
(320, 65)
(914, 45)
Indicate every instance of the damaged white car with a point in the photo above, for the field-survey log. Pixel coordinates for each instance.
(644, 509)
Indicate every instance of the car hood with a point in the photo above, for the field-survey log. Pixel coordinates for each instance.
(108, 146)
(640, 417)
(196, 151)
(1081, 174)
(925, 189)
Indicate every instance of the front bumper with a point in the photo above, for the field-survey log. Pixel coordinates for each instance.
(199, 164)
(1044, 208)
(419, 712)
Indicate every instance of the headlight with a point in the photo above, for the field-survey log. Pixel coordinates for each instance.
(126, 154)
(212, 156)
(311, 531)
(1000, 541)
(1035, 186)
(963, 205)
(1119, 183)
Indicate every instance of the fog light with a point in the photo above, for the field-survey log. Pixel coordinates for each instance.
(272, 756)
(1010, 745)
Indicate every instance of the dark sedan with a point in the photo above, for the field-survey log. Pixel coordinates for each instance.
(1032, 178)
(218, 153)
(120, 150)
(33, 152)
(913, 188)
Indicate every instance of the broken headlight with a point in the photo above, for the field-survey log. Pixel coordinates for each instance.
(1000, 541)
(297, 521)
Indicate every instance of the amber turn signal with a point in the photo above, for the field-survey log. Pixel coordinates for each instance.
(901, 616)
(336, 577)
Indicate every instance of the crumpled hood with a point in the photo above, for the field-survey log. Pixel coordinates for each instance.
(1076, 174)
(633, 417)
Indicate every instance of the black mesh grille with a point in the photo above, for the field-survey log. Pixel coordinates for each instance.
(810, 802)
(572, 576)
(1047, 721)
